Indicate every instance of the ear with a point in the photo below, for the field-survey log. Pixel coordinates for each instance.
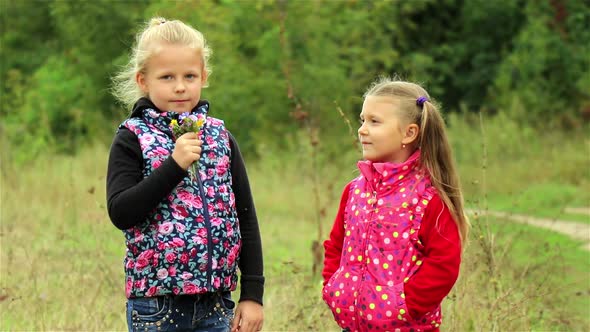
(141, 82)
(411, 133)
(204, 76)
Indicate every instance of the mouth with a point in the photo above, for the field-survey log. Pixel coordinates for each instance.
(180, 101)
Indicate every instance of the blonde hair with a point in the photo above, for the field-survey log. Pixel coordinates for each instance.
(436, 154)
(158, 30)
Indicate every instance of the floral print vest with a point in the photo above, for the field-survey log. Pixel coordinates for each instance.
(190, 243)
(381, 250)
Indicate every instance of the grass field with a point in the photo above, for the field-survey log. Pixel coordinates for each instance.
(61, 259)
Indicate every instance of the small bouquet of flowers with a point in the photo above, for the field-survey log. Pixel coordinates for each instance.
(188, 123)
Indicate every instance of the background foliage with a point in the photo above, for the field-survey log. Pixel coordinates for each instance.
(272, 55)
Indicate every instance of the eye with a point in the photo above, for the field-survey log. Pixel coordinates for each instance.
(166, 77)
(191, 76)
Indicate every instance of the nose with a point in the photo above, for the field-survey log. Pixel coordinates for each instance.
(179, 87)
(362, 130)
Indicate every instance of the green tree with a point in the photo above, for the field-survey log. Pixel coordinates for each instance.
(545, 76)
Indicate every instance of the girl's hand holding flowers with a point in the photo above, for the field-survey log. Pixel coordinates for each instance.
(188, 146)
(187, 150)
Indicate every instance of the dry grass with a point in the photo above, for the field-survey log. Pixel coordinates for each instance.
(61, 259)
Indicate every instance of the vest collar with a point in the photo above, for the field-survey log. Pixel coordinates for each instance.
(145, 109)
(382, 176)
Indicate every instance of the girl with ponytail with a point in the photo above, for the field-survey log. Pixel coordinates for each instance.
(394, 251)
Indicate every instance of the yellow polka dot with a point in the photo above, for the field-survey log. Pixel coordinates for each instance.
(402, 311)
(399, 317)
(337, 293)
(360, 258)
(412, 218)
(403, 296)
(395, 234)
(405, 205)
(406, 279)
(372, 305)
(357, 191)
(414, 258)
(412, 231)
(378, 288)
(347, 275)
(347, 233)
(349, 249)
(419, 263)
(356, 213)
(400, 177)
(385, 265)
(338, 310)
(384, 296)
(425, 202)
(402, 190)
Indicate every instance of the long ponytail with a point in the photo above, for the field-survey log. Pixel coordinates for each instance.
(437, 157)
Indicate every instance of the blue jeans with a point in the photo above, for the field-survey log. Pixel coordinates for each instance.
(211, 312)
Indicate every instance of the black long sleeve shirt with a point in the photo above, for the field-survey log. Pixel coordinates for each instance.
(130, 198)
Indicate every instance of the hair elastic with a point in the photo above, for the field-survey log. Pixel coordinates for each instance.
(420, 101)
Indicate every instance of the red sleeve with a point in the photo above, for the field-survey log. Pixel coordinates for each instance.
(333, 245)
(442, 257)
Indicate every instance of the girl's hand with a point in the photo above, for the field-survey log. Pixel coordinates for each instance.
(187, 150)
(249, 317)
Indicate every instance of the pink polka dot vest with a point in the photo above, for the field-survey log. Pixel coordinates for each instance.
(381, 250)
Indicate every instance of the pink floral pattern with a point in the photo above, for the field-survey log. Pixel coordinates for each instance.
(190, 243)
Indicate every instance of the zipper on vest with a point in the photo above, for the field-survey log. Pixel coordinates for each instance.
(370, 212)
(209, 237)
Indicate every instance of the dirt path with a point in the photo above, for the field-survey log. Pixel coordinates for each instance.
(573, 210)
(575, 230)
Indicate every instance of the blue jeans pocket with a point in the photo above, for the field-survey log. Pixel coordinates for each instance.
(214, 312)
(149, 313)
(226, 305)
